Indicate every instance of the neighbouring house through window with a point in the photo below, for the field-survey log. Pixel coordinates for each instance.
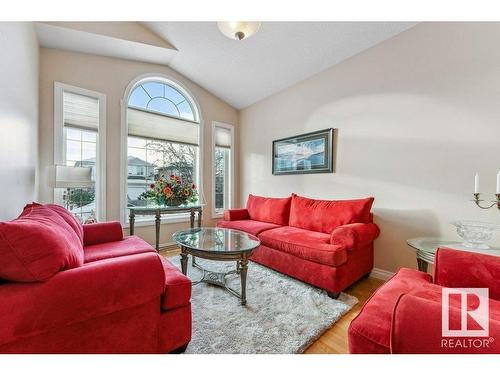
(80, 133)
(163, 138)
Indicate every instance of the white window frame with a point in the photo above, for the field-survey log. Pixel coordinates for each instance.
(173, 218)
(216, 124)
(59, 147)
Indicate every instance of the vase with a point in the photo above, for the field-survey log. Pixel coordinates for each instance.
(173, 202)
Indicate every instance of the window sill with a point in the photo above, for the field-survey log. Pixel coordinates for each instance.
(164, 220)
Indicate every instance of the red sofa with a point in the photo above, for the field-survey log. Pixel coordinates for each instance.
(404, 315)
(328, 244)
(68, 288)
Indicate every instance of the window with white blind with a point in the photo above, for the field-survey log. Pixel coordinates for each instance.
(80, 126)
(223, 168)
(163, 129)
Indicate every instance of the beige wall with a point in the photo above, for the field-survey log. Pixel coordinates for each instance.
(111, 77)
(18, 117)
(416, 116)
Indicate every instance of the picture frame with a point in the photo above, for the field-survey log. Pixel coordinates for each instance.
(303, 154)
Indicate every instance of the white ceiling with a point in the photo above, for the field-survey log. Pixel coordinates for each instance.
(94, 39)
(278, 56)
(239, 72)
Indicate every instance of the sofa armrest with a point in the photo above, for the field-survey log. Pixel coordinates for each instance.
(417, 329)
(102, 232)
(355, 235)
(465, 269)
(236, 214)
(75, 295)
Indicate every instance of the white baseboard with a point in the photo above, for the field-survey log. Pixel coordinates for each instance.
(380, 274)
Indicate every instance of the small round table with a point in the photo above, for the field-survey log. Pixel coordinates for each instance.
(426, 248)
(218, 244)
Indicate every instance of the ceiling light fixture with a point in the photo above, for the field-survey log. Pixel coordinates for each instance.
(238, 30)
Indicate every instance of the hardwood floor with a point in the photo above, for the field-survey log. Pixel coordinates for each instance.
(334, 340)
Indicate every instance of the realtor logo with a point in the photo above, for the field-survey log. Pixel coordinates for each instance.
(472, 310)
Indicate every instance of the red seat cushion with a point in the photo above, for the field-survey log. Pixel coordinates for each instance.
(37, 245)
(269, 210)
(177, 287)
(326, 215)
(370, 331)
(127, 246)
(305, 244)
(249, 226)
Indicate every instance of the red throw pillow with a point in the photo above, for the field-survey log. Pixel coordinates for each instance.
(67, 216)
(325, 215)
(269, 210)
(37, 245)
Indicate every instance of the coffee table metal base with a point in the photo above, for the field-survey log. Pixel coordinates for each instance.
(220, 278)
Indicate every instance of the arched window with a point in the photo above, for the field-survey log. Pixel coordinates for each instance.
(163, 137)
(160, 97)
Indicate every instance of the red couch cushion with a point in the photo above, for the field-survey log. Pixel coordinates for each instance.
(249, 226)
(67, 216)
(37, 245)
(177, 287)
(305, 244)
(269, 210)
(372, 335)
(127, 246)
(326, 215)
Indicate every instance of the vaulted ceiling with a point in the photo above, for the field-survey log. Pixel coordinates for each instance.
(239, 72)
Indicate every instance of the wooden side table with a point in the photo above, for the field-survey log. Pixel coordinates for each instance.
(426, 247)
(157, 212)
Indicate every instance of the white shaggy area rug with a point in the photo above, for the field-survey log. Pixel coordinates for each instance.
(282, 315)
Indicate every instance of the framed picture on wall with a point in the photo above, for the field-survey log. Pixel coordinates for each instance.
(305, 153)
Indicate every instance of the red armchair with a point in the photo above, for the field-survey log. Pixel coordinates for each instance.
(124, 298)
(404, 315)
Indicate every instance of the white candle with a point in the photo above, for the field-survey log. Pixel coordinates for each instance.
(476, 183)
(498, 182)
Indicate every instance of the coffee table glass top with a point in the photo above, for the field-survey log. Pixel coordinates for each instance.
(216, 240)
(430, 245)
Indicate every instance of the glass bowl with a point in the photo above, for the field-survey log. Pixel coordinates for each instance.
(475, 233)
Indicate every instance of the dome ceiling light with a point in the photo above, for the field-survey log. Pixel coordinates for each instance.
(238, 30)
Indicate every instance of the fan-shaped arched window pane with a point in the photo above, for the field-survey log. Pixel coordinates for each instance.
(161, 98)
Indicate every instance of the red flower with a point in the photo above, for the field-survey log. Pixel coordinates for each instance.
(152, 186)
(167, 191)
(193, 186)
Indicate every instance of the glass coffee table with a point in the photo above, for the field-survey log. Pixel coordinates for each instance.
(426, 248)
(218, 244)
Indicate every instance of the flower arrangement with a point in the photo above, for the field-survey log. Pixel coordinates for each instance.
(170, 191)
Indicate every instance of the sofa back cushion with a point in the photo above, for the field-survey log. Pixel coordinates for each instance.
(325, 215)
(269, 210)
(37, 245)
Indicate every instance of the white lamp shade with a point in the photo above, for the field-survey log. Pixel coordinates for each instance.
(73, 177)
(238, 29)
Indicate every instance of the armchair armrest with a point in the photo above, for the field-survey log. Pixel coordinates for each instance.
(354, 235)
(79, 294)
(465, 269)
(236, 214)
(102, 232)
(416, 329)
